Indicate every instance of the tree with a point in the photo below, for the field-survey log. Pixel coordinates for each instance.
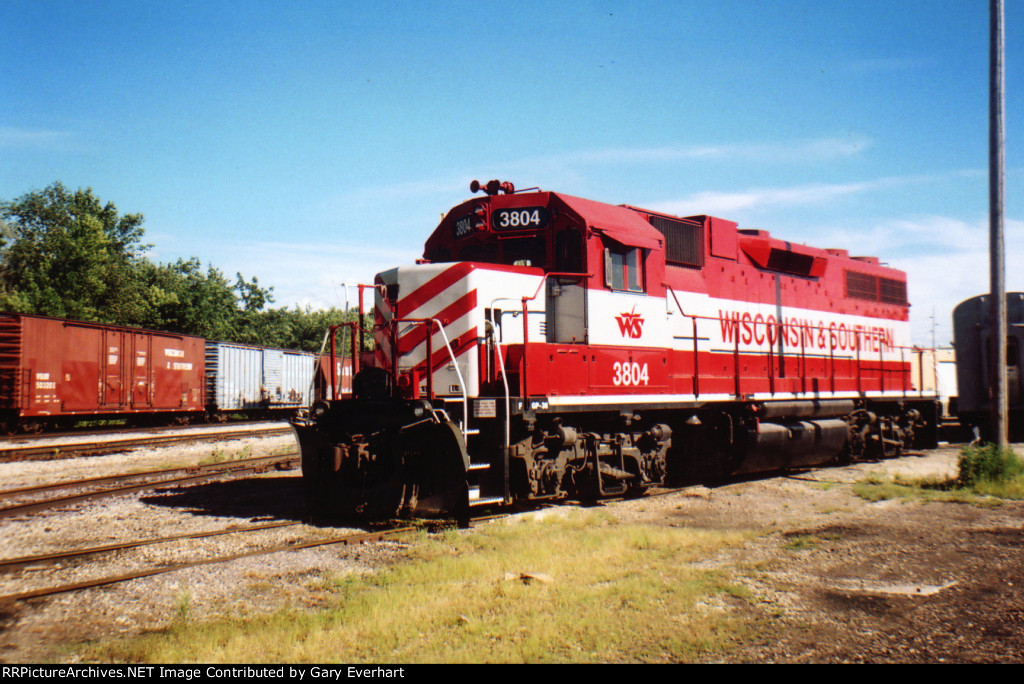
(182, 298)
(66, 254)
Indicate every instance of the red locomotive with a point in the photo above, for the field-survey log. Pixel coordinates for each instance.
(548, 346)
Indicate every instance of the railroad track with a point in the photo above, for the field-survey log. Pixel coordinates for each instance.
(133, 482)
(22, 562)
(362, 537)
(33, 450)
(353, 538)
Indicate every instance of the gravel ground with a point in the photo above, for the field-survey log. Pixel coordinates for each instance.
(831, 577)
(36, 630)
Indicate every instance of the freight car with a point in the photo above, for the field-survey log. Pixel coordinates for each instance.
(256, 381)
(56, 372)
(548, 346)
(972, 337)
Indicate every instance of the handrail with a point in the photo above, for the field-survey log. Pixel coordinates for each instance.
(458, 371)
(429, 360)
(332, 331)
(504, 376)
(696, 355)
(829, 351)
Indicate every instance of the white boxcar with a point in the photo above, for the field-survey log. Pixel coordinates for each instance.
(242, 377)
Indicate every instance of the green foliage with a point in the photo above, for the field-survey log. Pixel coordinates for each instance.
(802, 542)
(988, 464)
(66, 254)
(182, 604)
(986, 475)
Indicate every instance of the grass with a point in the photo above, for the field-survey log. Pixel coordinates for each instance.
(182, 604)
(802, 542)
(223, 456)
(604, 591)
(986, 475)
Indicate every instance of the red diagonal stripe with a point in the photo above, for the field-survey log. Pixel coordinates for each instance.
(460, 345)
(452, 312)
(432, 288)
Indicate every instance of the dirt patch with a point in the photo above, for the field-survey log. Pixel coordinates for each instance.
(834, 578)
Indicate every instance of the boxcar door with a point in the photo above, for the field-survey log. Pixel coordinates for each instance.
(112, 369)
(273, 374)
(1012, 370)
(141, 371)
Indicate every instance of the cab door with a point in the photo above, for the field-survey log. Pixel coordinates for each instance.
(567, 296)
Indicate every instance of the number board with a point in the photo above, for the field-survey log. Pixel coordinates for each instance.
(463, 226)
(520, 218)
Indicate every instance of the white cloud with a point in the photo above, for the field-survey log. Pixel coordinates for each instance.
(946, 261)
(380, 202)
(815, 150)
(712, 202)
(12, 137)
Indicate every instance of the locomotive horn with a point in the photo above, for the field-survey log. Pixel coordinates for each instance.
(493, 187)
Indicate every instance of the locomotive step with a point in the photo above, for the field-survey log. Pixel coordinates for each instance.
(475, 500)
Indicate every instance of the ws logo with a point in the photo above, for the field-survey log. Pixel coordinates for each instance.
(631, 324)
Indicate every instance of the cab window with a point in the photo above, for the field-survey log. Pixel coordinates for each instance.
(623, 269)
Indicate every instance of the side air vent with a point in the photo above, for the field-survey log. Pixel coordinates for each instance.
(684, 241)
(875, 289)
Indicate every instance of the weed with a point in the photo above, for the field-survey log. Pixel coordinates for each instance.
(738, 591)
(461, 597)
(216, 456)
(182, 605)
(803, 542)
(222, 456)
(988, 464)
(987, 474)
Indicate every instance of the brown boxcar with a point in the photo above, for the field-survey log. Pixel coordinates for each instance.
(342, 378)
(54, 371)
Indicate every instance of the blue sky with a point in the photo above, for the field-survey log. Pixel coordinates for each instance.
(311, 144)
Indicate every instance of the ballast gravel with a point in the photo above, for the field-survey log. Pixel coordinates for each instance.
(825, 576)
(35, 630)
